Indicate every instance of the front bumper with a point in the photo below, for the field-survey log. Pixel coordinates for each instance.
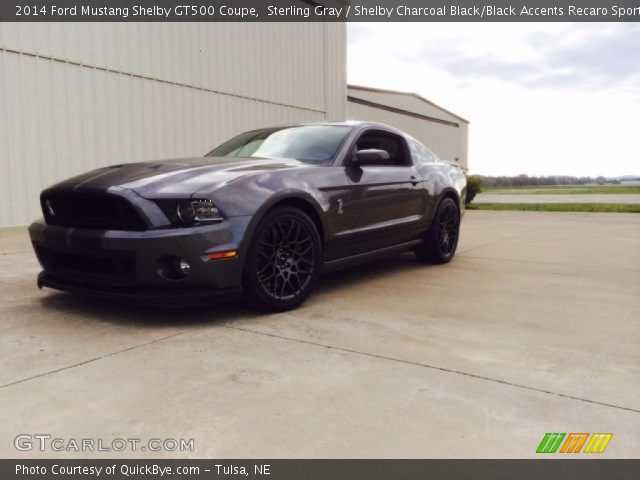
(192, 297)
(123, 265)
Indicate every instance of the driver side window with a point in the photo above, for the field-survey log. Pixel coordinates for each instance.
(390, 143)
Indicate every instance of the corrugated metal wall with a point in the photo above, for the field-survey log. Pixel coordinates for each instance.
(76, 96)
(447, 141)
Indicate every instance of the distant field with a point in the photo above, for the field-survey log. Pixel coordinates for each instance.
(559, 207)
(563, 189)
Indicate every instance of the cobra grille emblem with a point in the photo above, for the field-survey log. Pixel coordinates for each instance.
(50, 209)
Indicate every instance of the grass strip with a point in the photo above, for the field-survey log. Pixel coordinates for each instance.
(559, 207)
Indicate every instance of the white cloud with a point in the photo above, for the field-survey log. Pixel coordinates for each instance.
(542, 99)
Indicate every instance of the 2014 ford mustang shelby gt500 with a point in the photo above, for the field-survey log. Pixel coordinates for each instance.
(262, 215)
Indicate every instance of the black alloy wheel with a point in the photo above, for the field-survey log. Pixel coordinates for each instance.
(442, 237)
(448, 227)
(284, 260)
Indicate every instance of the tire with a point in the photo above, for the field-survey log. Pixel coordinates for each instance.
(442, 237)
(283, 261)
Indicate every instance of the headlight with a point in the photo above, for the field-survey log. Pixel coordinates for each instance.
(185, 213)
(205, 211)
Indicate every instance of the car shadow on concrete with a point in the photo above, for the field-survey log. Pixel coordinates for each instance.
(123, 314)
(334, 283)
(361, 274)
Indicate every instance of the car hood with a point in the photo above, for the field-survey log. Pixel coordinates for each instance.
(178, 177)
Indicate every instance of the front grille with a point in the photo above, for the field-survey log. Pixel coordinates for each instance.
(90, 210)
(112, 268)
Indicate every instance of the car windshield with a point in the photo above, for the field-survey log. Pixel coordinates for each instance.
(309, 143)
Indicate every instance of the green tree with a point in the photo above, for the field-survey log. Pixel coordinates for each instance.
(474, 186)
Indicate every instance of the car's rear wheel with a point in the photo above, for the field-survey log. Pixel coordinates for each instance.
(284, 260)
(442, 237)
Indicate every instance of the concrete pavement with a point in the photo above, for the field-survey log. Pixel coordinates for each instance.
(533, 328)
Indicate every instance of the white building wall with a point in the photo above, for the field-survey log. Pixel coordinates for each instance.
(76, 96)
(449, 141)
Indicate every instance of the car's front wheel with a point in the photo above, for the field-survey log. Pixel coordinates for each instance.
(284, 260)
(442, 237)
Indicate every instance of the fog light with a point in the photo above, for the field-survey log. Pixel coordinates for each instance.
(172, 267)
(185, 267)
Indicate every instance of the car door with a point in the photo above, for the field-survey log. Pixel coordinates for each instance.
(386, 202)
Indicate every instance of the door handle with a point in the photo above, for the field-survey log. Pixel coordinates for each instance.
(414, 180)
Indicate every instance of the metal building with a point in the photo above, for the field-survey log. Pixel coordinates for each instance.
(444, 132)
(76, 96)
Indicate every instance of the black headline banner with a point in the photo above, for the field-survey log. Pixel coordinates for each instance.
(319, 10)
(584, 469)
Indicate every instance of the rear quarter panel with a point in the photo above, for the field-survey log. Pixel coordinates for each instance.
(442, 179)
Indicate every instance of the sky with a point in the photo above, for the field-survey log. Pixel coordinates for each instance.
(542, 98)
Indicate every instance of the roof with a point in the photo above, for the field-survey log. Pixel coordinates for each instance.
(408, 94)
(346, 123)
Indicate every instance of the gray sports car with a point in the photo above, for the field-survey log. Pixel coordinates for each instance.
(262, 215)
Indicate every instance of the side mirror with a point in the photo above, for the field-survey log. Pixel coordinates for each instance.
(371, 156)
